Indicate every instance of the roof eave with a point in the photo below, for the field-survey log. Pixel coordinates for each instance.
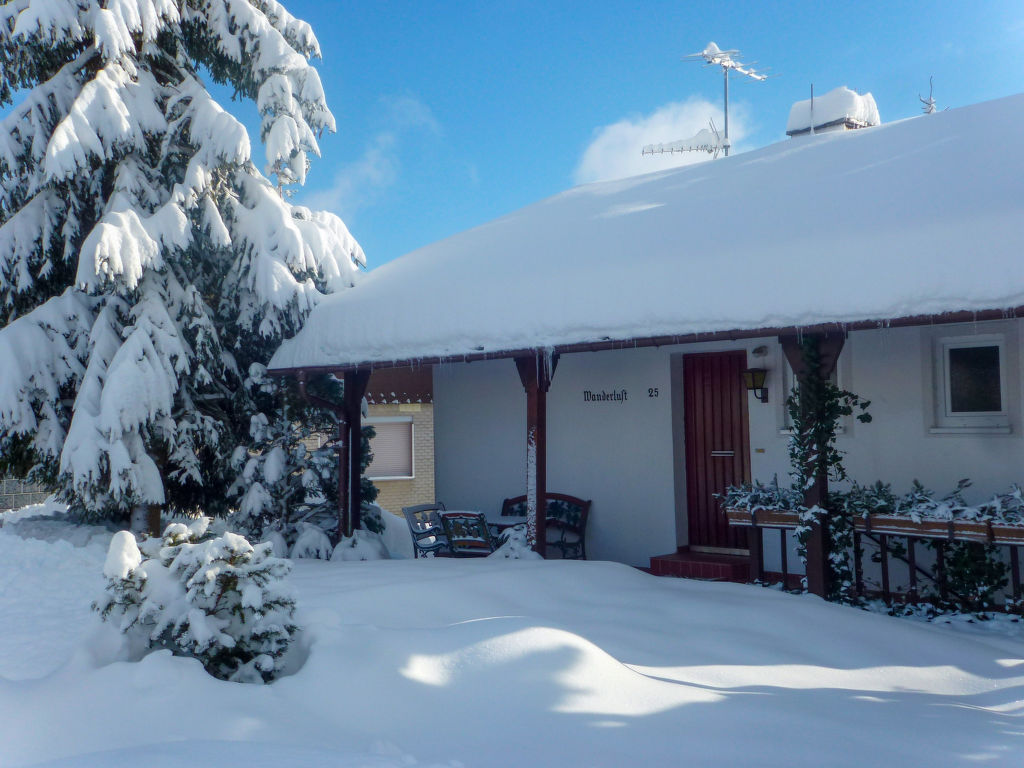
(963, 316)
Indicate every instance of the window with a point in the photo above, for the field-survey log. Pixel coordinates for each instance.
(391, 449)
(974, 380)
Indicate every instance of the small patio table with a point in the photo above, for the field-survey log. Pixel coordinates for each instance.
(498, 524)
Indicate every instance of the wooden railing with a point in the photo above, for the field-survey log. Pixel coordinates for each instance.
(879, 529)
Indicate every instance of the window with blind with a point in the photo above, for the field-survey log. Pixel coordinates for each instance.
(391, 449)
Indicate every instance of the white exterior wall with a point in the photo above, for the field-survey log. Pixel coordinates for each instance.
(619, 454)
(628, 457)
(893, 368)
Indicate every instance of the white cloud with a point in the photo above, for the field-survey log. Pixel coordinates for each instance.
(614, 152)
(362, 181)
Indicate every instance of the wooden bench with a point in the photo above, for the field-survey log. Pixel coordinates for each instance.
(566, 522)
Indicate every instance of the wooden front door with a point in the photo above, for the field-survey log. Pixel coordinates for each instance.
(717, 444)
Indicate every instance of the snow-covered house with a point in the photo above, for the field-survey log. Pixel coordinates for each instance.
(594, 343)
(841, 109)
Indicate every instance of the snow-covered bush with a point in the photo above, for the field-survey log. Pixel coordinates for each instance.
(218, 599)
(311, 542)
(757, 496)
(515, 545)
(361, 545)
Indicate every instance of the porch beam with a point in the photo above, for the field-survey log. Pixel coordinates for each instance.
(535, 372)
(816, 494)
(355, 390)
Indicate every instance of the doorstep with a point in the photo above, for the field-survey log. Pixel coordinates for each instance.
(702, 565)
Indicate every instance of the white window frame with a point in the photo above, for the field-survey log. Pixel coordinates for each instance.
(374, 420)
(949, 419)
(942, 420)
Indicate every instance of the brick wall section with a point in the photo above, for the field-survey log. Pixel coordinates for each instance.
(18, 493)
(395, 494)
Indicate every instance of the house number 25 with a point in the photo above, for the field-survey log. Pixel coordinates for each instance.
(652, 391)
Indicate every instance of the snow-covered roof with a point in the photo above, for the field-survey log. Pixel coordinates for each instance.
(921, 216)
(835, 106)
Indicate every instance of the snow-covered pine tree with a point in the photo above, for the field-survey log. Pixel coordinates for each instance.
(147, 268)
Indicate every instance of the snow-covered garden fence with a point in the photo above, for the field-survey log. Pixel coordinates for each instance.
(969, 550)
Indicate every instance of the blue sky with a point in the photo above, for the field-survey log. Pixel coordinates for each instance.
(451, 114)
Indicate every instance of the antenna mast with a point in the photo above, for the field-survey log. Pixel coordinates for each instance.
(727, 60)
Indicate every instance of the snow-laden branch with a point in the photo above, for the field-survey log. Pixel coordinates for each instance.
(42, 353)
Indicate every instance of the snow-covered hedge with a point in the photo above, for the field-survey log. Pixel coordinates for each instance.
(757, 496)
(218, 599)
(878, 499)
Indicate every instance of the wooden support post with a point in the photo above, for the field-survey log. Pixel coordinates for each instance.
(1015, 572)
(342, 449)
(355, 389)
(883, 544)
(819, 573)
(912, 563)
(756, 546)
(535, 373)
(785, 558)
(858, 563)
(940, 569)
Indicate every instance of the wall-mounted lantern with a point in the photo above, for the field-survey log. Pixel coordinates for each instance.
(754, 380)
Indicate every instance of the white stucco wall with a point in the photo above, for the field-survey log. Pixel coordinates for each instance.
(628, 456)
(617, 453)
(893, 368)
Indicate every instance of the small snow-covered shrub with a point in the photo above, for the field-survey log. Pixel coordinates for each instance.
(361, 545)
(514, 545)
(218, 599)
(311, 542)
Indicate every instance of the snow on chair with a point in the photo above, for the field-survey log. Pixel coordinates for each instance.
(428, 535)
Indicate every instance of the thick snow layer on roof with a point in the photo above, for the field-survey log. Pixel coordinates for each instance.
(838, 104)
(920, 216)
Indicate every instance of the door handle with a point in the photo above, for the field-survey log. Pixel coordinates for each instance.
(722, 454)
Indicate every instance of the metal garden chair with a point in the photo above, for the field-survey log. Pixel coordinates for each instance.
(428, 534)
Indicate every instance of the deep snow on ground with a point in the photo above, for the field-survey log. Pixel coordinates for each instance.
(507, 663)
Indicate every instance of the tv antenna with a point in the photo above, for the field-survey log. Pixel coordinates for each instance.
(727, 60)
(706, 140)
(927, 105)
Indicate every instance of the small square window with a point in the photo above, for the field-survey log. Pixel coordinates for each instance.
(975, 385)
(974, 380)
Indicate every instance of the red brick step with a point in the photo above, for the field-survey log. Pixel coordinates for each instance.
(702, 565)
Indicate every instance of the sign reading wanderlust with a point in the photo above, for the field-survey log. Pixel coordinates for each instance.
(615, 396)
